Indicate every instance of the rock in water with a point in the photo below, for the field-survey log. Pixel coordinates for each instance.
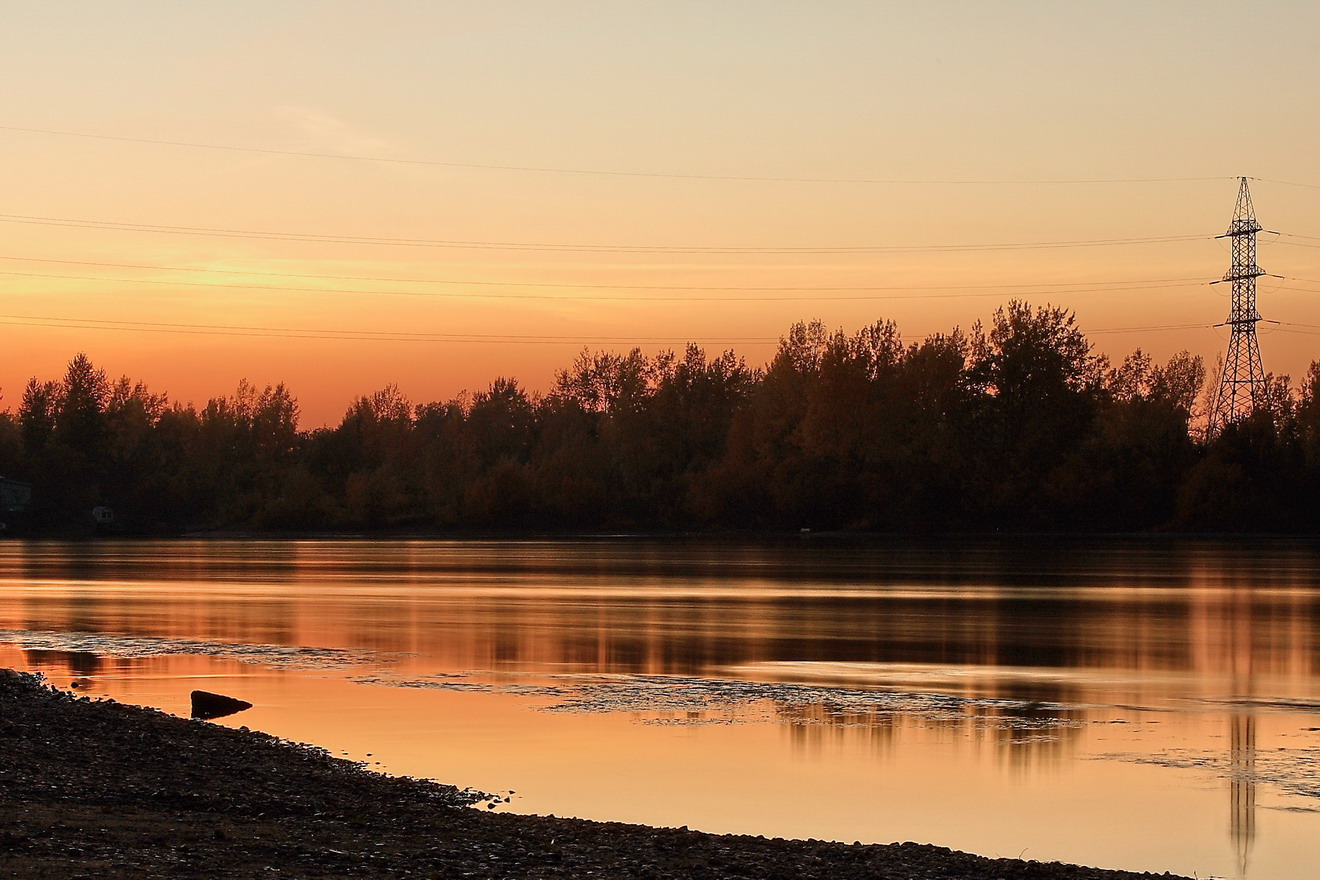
(207, 705)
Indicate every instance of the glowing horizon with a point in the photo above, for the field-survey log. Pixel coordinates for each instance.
(720, 98)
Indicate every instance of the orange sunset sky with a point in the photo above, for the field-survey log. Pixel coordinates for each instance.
(437, 193)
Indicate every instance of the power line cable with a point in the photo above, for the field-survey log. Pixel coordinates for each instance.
(1286, 182)
(1160, 327)
(590, 171)
(578, 248)
(396, 336)
(1279, 236)
(541, 297)
(350, 335)
(395, 280)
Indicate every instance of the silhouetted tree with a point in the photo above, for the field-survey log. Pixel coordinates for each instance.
(36, 417)
(1039, 384)
(1125, 473)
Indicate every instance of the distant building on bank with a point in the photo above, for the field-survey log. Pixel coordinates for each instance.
(15, 497)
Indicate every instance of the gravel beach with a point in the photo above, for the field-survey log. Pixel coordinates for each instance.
(96, 789)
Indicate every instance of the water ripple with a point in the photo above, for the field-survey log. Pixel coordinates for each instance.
(119, 645)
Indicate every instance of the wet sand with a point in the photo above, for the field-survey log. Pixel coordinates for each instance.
(92, 788)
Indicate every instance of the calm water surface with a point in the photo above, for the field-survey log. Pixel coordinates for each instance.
(1150, 705)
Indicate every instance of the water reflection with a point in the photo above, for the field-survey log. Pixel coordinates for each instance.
(1242, 788)
(1049, 626)
(74, 664)
(1154, 621)
(1044, 640)
(1236, 624)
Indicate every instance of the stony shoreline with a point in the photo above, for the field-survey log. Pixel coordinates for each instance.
(92, 788)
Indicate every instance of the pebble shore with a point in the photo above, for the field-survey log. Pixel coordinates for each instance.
(96, 789)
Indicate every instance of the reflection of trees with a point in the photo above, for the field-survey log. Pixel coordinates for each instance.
(122, 588)
(103, 669)
(1022, 621)
(1028, 617)
(73, 663)
(810, 726)
(1022, 735)
(1039, 621)
(841, 614)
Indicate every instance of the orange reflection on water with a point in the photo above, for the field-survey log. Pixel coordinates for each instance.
(1187, 658)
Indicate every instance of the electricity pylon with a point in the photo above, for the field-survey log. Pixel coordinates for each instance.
(1242, 380)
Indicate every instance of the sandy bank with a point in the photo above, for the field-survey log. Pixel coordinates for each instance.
(98, 789)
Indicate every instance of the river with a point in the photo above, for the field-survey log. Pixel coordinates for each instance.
(1148, 704)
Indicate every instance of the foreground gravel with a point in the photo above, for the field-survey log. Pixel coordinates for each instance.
(95, 789)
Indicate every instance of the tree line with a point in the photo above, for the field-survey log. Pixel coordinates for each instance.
(1017, 425)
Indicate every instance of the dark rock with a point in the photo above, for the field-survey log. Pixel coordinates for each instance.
(206, 705)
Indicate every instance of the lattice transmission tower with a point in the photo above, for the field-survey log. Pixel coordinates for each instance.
(1242, 380)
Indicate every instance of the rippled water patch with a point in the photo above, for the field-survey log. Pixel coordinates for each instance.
(678, 700)
(1295, 771)
(118, 645)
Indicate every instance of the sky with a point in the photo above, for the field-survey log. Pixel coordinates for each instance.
(339, 196)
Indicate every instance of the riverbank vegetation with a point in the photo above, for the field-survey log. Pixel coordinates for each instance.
(1019, 425)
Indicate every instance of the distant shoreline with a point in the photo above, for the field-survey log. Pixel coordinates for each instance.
(96, 788)
(731, 535)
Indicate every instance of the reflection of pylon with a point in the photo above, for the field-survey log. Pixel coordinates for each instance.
(1242, 380)
(1242, 787)
(1242, 732)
